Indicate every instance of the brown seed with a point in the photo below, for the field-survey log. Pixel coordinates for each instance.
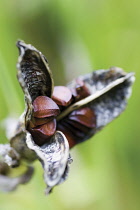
(47, 129)
(78, 125)
(45, 107)
(84, 116)
(81, 87)
(42, 133)
(80, 90)
(77, 133)
(70, 137)
(62, 95)
(40, 121)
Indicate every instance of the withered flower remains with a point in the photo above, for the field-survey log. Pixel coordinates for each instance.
(57, 118)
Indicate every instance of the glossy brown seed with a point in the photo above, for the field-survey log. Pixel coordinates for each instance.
(40, 121)
(80, 91)
(70, 137)
(62, 95)
(78, 126)
(42, 133)
(45, 107)
(74, 131)
(84, 116)
(77, 133)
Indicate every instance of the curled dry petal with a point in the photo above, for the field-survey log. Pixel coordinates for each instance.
(44, 107)
(62, 95)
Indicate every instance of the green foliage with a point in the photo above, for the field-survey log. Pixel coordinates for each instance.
(77, 37)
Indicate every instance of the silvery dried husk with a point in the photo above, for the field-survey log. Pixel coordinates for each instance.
(109, 91)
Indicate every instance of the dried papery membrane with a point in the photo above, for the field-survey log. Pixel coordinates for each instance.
(54, 156)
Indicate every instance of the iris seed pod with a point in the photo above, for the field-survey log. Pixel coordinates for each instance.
(94, 100)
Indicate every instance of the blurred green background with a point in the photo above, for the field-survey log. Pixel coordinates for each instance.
(77, 37)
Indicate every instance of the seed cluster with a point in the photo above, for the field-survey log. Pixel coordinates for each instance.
(75, 126)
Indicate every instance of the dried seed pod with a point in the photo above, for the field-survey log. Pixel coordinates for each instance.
(102, 95)
(62, 95)
(44, 106)
(42, 133)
